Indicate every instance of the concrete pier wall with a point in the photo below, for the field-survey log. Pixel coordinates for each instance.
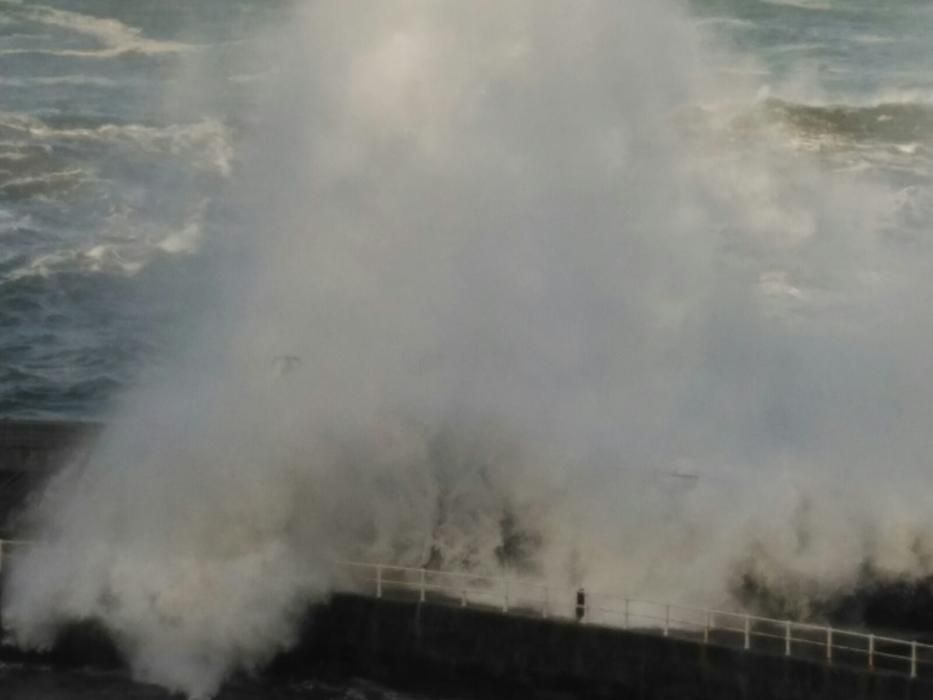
(407, 643)
(448, 650)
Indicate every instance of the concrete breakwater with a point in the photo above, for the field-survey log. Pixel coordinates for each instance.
(407, 642)
(483, 653)
(412, 643)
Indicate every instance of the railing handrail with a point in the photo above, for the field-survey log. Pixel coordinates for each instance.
(527, 581)
(515, 583)
(461, 583)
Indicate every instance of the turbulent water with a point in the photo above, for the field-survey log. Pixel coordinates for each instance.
(750, 301)
(111, 165)
(110, 171)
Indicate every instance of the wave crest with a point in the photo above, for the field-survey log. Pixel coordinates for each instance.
(113, 37)
(896, 122)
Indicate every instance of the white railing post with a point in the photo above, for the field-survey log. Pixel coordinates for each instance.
(487, 586)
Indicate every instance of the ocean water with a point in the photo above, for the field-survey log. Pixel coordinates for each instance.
(110, 177)
(122, 132)
(112, 167)
(108, 184)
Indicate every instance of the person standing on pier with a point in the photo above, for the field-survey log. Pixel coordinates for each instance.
(581, 604)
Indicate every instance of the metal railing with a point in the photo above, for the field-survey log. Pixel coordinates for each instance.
(531, 597)
(535, 598)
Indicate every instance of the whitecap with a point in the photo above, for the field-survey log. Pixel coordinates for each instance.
(12, 156)
(187, 240)
(817, 5)
(922, 96)
(733, 22)
(11, 221)
(114, 37)
(18, 121)
(747, 70)
(802, 46)
(872, 39)
(22, 35)
(38, 185)
(125, 248)
(245, 78)
(909, 149)
(110, 257)
(208, 143)
(49, 81)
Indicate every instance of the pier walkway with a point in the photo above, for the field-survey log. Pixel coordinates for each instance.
(533, 598)
(739, 630)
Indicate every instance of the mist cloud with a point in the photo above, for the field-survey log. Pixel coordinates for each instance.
(530, 270)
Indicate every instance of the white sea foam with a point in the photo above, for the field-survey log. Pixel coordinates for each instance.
(731, 22)
(246, 78)
(125, 246)
(817, 5)
(909, 149)
(11, 221)
(51, 81)
(801, 47)
(20, 36)
(206, 144)
(873, 39)
(114, 37)
(41, 184)
(187, 240)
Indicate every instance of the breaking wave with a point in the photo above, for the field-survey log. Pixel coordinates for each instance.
(52, 81)
(114, 38)
(206, 144)
(902, 122)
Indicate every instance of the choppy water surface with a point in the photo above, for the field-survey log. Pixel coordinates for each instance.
(107, 182)
(112, 161)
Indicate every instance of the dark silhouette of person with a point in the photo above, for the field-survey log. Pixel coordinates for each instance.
(581, 604)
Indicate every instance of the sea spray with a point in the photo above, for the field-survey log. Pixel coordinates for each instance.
(496, 283)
